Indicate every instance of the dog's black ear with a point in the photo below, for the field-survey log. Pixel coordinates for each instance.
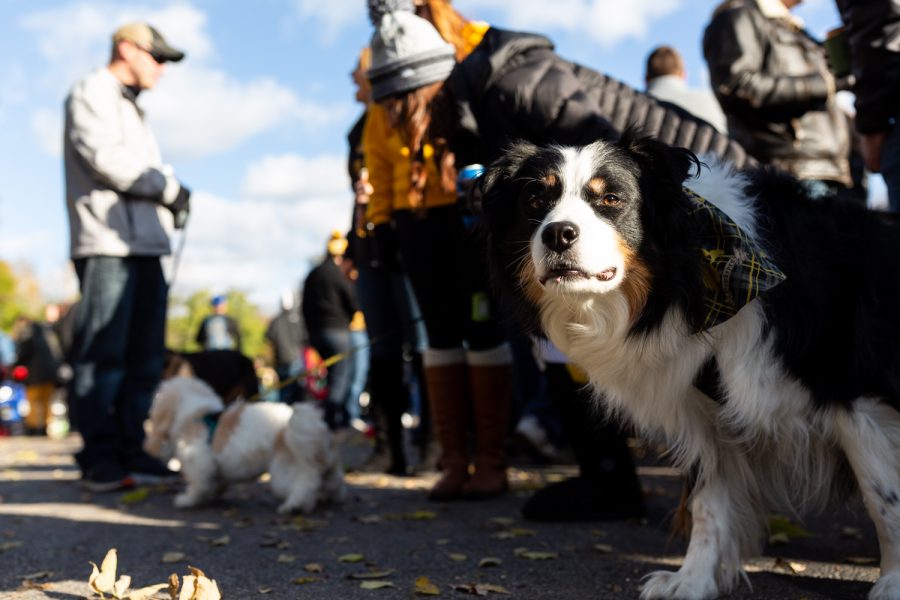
(668, 165)
(500, 173)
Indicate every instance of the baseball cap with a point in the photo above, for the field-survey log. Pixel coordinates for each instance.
(218, 300)
(149, 39)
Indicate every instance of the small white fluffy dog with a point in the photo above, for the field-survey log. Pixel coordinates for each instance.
(247, 439)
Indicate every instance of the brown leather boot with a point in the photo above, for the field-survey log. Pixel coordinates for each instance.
(491, 398)
(448, 395)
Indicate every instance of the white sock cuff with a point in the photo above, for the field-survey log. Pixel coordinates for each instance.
(442, 357)
(492, 357)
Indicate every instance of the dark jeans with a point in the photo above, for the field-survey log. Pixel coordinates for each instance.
(448, 270)
(327, 343)
(890, 167)
(118, 347)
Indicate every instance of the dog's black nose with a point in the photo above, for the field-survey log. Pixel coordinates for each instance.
(560, 236)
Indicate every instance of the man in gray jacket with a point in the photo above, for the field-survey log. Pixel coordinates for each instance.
(121, 201)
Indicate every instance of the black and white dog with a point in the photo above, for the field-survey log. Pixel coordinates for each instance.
(755, 329)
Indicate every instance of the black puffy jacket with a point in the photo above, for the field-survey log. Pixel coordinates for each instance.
(514, 86)
(873, 31)
(772, 81)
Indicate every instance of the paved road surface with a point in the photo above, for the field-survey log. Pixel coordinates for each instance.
(50, 529)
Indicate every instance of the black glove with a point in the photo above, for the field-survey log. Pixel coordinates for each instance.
(181, 207)
(384, 247)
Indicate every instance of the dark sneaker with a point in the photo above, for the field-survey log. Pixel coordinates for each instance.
(586, 499)
(146, 470)
(106, 476)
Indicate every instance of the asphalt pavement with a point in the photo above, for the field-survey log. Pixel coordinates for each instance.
(386, 541)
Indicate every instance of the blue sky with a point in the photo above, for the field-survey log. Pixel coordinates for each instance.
(255, 118)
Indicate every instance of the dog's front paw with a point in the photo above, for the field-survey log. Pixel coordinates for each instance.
(677, 585)
(288, 507)
(886, 588)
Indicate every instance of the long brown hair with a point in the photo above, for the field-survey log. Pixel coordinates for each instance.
(448, 21)
(412, 116)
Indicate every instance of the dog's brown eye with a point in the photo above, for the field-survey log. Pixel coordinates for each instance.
(536, 202)
(610, 200)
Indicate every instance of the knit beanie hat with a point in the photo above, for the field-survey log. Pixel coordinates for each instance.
(407, 51)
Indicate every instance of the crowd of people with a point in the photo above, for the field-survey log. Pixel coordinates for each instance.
(402, 298)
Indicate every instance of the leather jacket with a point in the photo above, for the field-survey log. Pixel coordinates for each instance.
(772, 81)
(873, 32)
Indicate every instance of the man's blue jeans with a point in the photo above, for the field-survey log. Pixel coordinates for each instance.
(329, 342)
(117, 353)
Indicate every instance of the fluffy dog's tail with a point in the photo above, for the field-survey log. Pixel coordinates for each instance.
(319, 470)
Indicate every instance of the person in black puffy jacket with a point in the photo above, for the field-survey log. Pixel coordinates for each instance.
(511, 86)
(873, 33)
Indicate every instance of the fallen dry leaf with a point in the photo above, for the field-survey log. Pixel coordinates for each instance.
(285, 558)
(102, 579)
(788, 566)
(174, 584)
(457, 557)
(351, 558)
(372, 574)
(489, 561)
(145, 593)
(376, 585)
(861, 560)
(603, 548)
(420, 515)
(854, 533)
(172, 557)
(502, 521)
(424, 587)
(198, 587)
(535, 555)
(221, 541)
(304, 580)
(121, 586)
(313, 568)
(135, 496)
(265, 590)
(36, 575)
(370, 519)
(480, 589)
(9, 546)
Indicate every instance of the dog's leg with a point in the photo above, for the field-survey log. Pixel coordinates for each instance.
(712, 564)
(869, 434)
(304, 492)
(199, 469)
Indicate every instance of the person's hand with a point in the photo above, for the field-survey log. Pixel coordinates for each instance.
(362, 188)
(180, 207)
(870, 146)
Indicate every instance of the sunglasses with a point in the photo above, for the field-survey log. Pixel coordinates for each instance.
(156, 56)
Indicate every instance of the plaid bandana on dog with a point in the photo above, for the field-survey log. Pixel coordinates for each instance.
(735, 270)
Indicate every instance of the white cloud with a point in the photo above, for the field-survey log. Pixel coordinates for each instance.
(334, 15)
(290, 176)
(199, 109)
(607, 22)
(261, 246)
(47, 126)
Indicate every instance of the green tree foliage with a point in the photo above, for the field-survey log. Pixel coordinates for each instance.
(19, 295)
(186, 314)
